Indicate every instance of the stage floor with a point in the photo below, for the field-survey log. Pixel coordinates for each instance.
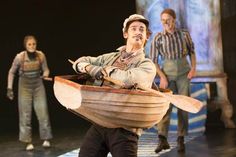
(215, 142)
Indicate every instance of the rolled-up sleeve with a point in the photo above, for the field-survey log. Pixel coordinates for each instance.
(11, 73)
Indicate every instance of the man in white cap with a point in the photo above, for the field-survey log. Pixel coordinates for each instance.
(130, 66)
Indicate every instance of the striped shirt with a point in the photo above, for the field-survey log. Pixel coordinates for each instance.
(171, 46)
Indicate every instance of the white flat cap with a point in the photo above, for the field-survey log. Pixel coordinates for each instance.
(134, 17)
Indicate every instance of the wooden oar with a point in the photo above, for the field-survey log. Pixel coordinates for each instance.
(72, 62)
(181, 101)
(48, 78)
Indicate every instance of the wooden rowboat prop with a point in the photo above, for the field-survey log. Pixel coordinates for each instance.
(110, 107)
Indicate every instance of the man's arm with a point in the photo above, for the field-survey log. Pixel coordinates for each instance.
(163, 79)
(192, 71)
(192, 55)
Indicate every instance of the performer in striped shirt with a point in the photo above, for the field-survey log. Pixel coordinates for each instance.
(173, 45)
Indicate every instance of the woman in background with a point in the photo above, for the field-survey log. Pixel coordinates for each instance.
(31, 65)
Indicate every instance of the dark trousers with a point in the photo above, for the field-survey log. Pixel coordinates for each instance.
(99, 141)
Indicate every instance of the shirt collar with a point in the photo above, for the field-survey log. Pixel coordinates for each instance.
(165, 32)
(123, 48)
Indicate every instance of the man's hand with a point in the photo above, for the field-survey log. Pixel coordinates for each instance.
(163, 82)
(10, 94)
(80, 67)
(191, 73)
(100, 74)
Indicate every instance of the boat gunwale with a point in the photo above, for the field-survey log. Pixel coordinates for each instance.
(67, 80)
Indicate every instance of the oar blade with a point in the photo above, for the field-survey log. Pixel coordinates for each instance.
(185, 103)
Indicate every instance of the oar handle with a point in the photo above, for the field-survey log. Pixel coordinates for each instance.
(48, 78)
(72, 62)
(116, 82)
